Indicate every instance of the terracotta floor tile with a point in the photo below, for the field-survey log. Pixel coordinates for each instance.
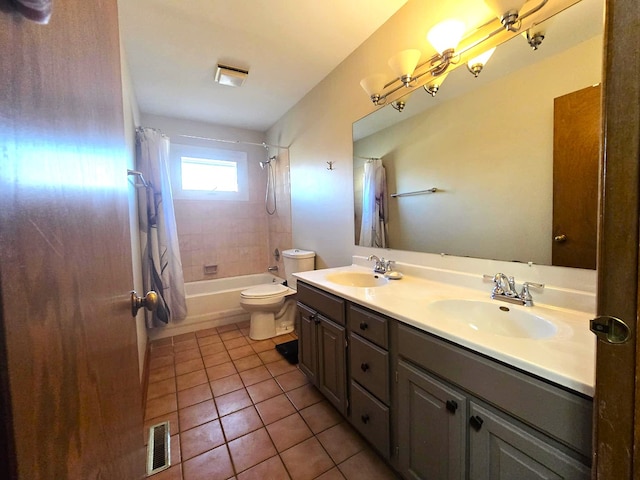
(305, 396)
(189, 366)
(161, 342)
(176, 451)
(191, 379)
(320, 416)
(264, 390)
(197, 415)
(271, 469)
(232, 402)
(212, 349)
(159, 362)
(270, 356)
(274, 409)
(290, 380)
(189, 354)
(216, 359)
(366, 465)
(247, 363)
(263, 346)
(307, 460)
(165, 350)
(212, 465)
(240, 352)
(193, 395)
(226, 385)
(230, 334)
(287, 337)
(200, 439)
(235, 343)
(341, 442)
(220, 371)
(241, 422)
(206, 332)
(227, 328)
(280, 367)
(289, 431)
(255, 375)
(333, 474)
(251, 449)
(161, 373)
(185, 337)
(190, 344)
(161, 406)
(163, 387)
(245, 331)
(172, 473)
(209, 340)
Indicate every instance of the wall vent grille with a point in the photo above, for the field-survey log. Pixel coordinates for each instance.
(158, 448)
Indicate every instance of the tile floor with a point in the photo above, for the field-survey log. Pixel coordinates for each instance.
(238, 410)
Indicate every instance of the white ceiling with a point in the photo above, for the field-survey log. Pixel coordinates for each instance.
(288, 46)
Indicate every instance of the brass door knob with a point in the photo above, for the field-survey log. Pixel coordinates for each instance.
(560, 238)
(149, 301)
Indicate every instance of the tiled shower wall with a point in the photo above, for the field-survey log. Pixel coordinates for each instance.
(238, 237)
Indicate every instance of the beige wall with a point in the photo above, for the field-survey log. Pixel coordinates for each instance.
(494, 168)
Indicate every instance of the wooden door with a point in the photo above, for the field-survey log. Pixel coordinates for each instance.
(617, 398)
(576, 157)
(71, 397)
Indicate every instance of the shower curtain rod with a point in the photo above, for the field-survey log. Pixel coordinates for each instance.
(263, 144)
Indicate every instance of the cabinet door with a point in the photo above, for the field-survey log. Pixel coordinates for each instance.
(501, 450)
(307, 349)
(331, 362)
(432, 422)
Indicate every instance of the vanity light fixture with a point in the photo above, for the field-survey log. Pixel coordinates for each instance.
(508, 11)
(399, 105)
(476, 64)
(536, 33)
(445, 38)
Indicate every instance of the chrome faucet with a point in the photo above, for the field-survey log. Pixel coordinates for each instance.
(381, 265)
(504, 289)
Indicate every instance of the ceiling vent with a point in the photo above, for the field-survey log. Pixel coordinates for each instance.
(230, 76)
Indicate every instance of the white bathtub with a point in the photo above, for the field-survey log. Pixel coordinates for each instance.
(211, 303)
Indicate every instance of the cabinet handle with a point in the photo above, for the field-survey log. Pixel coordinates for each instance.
(364, 367)
(363, 325)
(452, 406)
(476, 422)
(365, 418)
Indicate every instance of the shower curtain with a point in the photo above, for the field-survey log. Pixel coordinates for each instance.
(373, 230)
(161, 264)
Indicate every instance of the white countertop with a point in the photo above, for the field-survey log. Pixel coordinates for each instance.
(567, 358)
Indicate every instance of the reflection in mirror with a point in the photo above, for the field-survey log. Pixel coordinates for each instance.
(486, 145)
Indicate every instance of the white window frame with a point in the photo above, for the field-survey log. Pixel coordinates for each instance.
(177, 151)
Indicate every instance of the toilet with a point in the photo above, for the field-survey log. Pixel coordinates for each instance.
(271, 305)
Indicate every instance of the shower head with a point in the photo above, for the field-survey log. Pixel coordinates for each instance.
(267, 162)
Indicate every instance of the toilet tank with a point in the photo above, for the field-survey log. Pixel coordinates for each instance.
(296, 260)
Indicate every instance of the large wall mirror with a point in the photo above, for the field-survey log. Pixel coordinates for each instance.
(506, 154)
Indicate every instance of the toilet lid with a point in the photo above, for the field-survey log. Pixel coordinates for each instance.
(266, 290)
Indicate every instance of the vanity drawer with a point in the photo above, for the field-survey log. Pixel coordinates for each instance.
(369, 366)
(368, 325)
(370, 418)
(325, 303)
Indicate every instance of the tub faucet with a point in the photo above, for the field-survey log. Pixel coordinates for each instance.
(272, 269)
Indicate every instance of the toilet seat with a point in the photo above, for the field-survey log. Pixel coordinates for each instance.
(265, 291)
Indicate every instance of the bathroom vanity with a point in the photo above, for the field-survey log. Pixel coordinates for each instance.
(429, 400)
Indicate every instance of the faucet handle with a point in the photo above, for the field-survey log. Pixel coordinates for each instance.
(525, 295)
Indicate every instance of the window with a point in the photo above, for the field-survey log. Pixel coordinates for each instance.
(208, 173)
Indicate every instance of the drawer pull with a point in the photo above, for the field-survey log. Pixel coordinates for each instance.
(363, 325)
(365, 418)
(364, 367)
(476, 422)
(452, 406)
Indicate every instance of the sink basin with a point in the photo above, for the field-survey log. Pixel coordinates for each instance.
(493, 318)
(357, 279)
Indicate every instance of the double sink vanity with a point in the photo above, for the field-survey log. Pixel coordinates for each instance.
(445, 382)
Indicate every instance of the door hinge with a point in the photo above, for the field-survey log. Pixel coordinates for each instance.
(396, 376)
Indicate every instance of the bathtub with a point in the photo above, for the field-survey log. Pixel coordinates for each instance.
(212, 303)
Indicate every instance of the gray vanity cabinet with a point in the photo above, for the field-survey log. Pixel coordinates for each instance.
(369, 373)
(432, 425)
(322, 343)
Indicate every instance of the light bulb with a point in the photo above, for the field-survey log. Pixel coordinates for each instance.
(446, 35)
(373, 85)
